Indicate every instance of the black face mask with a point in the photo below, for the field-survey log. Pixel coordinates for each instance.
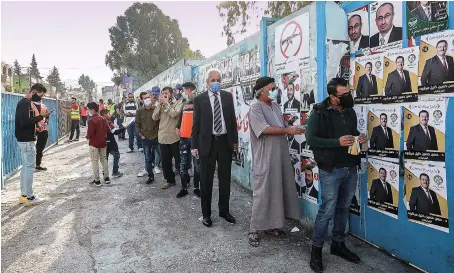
(346, 100)
(36, 98)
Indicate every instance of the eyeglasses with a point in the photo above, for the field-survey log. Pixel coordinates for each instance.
(381, 18)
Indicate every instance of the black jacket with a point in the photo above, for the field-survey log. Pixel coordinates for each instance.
(396, 35)
(395, 85)
(435, 73)
(418, 141)
(378, 193)
(365, 88)
(379, 141)
(25, 121)
(420, 203)
(202, 129)
(111, 142)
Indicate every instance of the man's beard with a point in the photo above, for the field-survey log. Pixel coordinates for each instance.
(309, 184)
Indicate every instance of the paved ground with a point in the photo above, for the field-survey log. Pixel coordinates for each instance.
(129, 226)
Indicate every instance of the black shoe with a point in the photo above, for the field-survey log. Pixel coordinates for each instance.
(150, 180)
(197, 192)
(182, 193)
(316, 259)
(228, 217)
(76, 139)
(117, 174)
(207, 222)
(97, 183)
(39, 168)
(107, 180)
(341, 250)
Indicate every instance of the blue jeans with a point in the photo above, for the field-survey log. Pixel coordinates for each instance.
(338, 188)
(149, 147)
(28, 156)
(185, 164)
(119, 123)
(131, 133)
(116, 160)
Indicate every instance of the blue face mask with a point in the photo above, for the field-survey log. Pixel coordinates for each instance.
(176, 95)
(273, 94)
(215, 87)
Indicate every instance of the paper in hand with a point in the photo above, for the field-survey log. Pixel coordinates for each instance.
(355, 148)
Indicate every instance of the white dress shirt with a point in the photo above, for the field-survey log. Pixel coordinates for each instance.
(386, 37)
(308, 189)
(385, 131)
(355, 45)
(426, 11)
(384, 185)
(445, 61)
(426, 130)
(224, 128)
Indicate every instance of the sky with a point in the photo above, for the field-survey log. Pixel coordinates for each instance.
(74, 36)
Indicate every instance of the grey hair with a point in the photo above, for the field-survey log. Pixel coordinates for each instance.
(211, 71)
(258, 93)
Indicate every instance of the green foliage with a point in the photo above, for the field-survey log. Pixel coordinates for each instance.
(34, 68)
(189, 54)
(17, 71)
(144, 42)
(235, 14)
(88, 85)
(117, 79)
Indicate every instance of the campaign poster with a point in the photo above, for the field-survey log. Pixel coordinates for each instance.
(290, 85)
(358, 29)
(309, 180)
(384, 129)
(127, 84)
(425, 129)
(355, 205)
(426, 193)
(362, 112)
(385, 26)
(292, 44)
(383, 186)
(436, 64)
(308, 94)
(368, 80)
(401, 75)
(424, 17)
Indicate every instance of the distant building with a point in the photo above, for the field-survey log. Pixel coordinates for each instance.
(7, 76)
(110, 92)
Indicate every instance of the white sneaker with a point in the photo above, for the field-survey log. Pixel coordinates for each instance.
(33, 202)
(142, 173)
(156, 170)
(140, 149)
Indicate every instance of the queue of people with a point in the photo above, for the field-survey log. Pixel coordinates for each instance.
(201, 132)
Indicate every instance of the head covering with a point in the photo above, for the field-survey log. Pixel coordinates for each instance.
(155, 90)
(179, 87)
(262, 82)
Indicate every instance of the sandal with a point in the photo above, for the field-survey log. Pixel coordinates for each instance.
(253, 238)
(276, 233)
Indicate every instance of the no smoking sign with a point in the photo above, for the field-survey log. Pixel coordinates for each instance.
(291, 39)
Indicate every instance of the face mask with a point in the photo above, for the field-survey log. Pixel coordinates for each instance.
(215, 87)
(346, 101)
(185, 96)
(147, 102)
(273, 94)
(176, 95)
(35, 97)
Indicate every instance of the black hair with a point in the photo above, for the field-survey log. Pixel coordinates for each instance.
(442, 41)
(334, 83)
(93, 106)
(357, 15)
(73, 98)
(424, 174)
(423, 111)
(189, 85)
(382, 169)
(39, 88)
(367, 64)
(400, 57)
(101, 101)
(168, 88)
(384, 114)
(103, 112)
(387, 3)
(142, 94)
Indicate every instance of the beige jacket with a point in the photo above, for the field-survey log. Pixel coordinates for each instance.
(168, 115)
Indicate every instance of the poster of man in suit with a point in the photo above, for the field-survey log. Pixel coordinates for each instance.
(384, 129)
(309, 180)
(426, 193)
(424, 129)
(362, 112)
(401, 75)
(358, 29)
(385, 25)
(355, 205)
(436, 63)
(383, 186)
(424, 17)
(368, 79)
(290, 84)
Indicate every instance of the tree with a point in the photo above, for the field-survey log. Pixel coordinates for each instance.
(54, 80)
(87, 85)
(236, 16)
(34, 69)
(144, 42)
(189, 54)
(17, 70)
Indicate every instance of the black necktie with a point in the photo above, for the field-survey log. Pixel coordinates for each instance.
(217, 115)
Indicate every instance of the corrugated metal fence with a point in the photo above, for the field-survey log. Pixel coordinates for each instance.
(59, 126)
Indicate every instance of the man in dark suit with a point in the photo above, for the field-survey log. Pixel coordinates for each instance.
(422, 137)
(423, 11)
(399, 80)
(357, 39)
(309, 189)
(367, 83)
(439, 68)
(382, 135)
(424, 200)
(380, 191)
(294, 146)
(387, 32)
(292, 103)
(214, 139)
